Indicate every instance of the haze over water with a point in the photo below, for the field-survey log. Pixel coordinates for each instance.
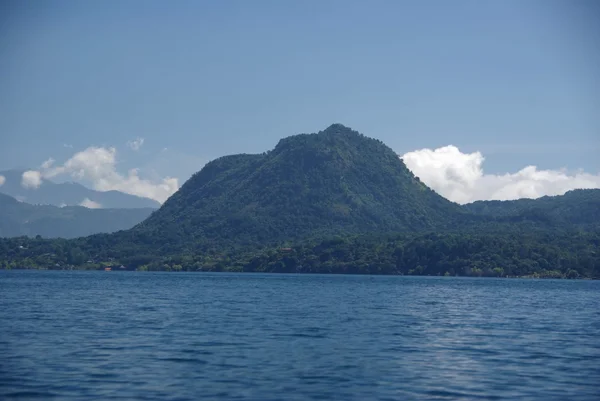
(186, 336)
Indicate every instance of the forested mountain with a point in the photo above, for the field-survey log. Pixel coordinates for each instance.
(579, 207)
(334, 182)
(18, 219)
(338, 202)
(68, 194)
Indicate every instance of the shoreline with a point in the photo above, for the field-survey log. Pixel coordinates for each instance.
(528, 277)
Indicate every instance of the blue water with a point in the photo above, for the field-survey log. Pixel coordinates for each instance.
(194, 336)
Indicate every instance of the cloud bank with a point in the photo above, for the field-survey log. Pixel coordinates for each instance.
(90, 204)
(2, 180)
(460, 177)
(135, 144)
(31, 179)
(99, 166)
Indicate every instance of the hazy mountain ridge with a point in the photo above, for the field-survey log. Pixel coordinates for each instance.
(68, 194)
(22, 219)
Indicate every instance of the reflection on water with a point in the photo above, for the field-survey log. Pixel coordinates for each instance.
(124, 335)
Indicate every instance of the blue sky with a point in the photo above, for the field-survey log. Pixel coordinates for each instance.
(516, 81)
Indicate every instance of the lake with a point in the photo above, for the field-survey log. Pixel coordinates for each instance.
(193, 336)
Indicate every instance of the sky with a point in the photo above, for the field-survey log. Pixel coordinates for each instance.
(482, 99)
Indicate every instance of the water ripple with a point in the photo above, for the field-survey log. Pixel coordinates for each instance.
(160, 336)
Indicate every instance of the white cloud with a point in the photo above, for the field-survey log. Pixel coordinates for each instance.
(90, 204)
(460, 177)
(2, 180)
(68, 146)
(48, 163)
(98, 165)
(31, 179)
(135, 144)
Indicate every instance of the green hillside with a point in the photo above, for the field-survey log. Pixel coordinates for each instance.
(579, 207)
(334, 182)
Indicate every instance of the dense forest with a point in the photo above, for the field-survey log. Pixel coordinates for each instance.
(550, 254)
(334, 202)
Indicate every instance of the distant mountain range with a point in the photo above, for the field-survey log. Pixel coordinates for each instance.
(68, 194)
(18, 218)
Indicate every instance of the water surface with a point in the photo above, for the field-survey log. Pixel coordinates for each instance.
(193, 336)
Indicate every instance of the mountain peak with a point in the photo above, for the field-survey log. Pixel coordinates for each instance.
(337, 128)
(336, 139)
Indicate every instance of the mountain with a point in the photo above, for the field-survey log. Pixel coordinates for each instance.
(18, 219)
(579, 207)
(331, 183)
(68, 193)
(334, 202)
